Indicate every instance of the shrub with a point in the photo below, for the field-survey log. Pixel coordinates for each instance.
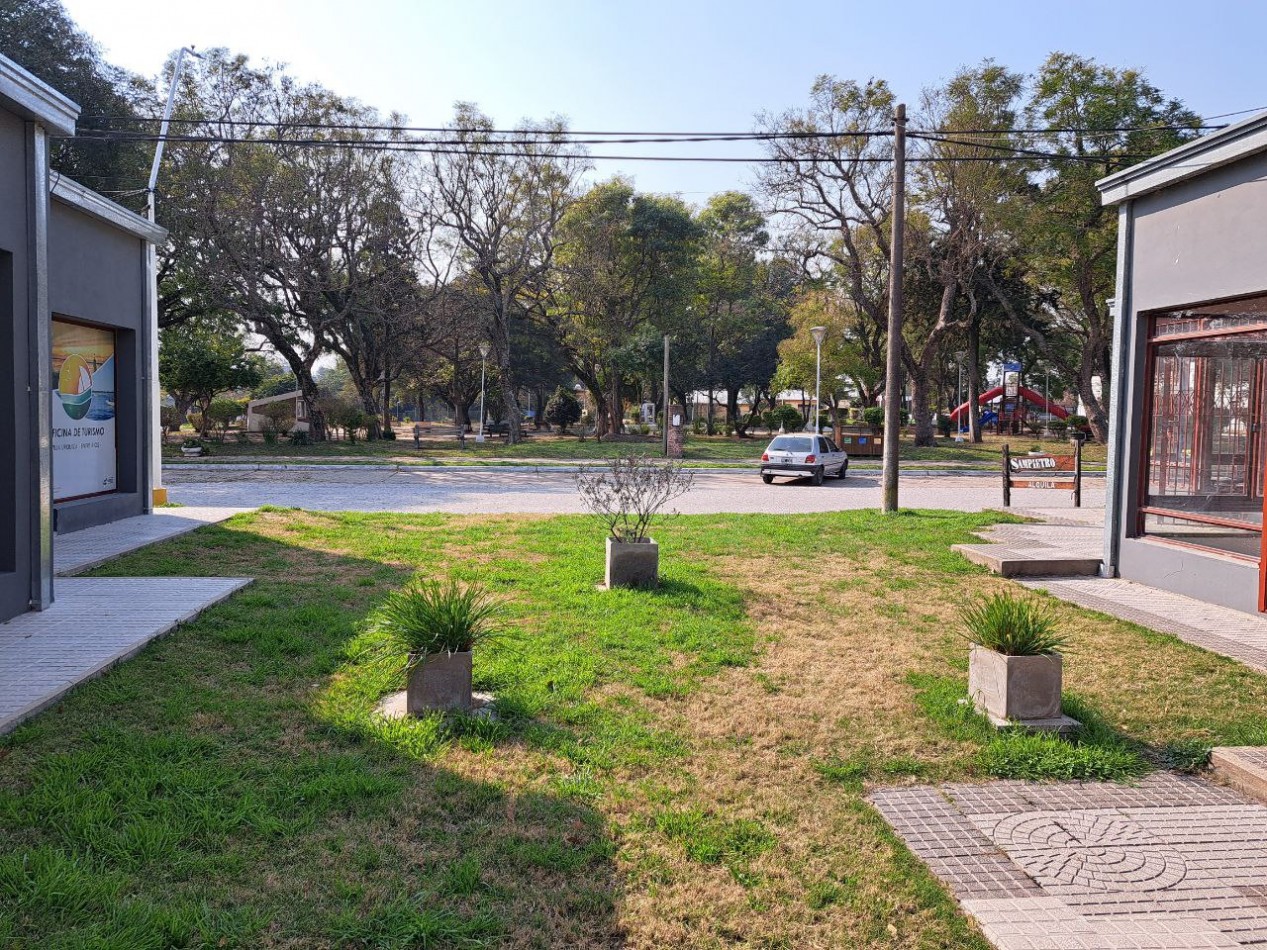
(563, 409)
(627, 492)
(223, 413)
(169, 416)
(1078, 422)
(874, 416)
(944, 425)
(428, 618)
(1012, 626)
(786, 418)
(1058, 427)
(278, 417)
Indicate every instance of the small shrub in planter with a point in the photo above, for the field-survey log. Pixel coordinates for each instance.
(436, 627)
(625, 494)
(1014, 665)
(192, 448)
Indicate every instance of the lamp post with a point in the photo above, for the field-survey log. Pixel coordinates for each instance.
(820, 334)
(483, 359)
(959, 355)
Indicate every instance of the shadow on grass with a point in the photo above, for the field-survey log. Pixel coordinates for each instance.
(196, 795)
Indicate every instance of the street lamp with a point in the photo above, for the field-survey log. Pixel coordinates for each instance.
(959, 355)
(820, 334)
(483, 358)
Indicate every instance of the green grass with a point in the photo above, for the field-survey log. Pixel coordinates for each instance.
(682, 766)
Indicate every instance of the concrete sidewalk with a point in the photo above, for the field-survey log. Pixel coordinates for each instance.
(83, 550)
(95, 623)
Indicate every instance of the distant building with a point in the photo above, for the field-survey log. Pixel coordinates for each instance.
(1188, 433)
(256, 421)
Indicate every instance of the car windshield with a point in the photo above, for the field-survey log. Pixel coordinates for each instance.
(788, 443)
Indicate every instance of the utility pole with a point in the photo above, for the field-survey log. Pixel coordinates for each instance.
(893, 363)
(664, 426)
(158, 494)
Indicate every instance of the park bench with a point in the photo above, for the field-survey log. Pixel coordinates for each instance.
(1043, 470)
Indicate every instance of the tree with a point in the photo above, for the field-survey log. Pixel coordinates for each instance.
(1101, 119)
(42, 38)
(196, 364)
(563, 409)
(726, 310)
(499, 203)
(626, 265)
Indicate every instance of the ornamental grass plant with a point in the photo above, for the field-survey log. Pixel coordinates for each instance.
(1012, 626)
(428, 618)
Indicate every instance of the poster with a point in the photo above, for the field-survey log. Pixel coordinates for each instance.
(85, 453)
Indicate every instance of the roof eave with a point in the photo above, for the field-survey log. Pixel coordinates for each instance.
(1190, 160)
(70, 192)
(31, 98)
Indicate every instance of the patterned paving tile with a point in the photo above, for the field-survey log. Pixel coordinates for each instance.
(1170, 863)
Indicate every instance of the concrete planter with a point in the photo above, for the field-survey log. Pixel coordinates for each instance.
(191, 452)
(633, 563)
(1014, 688)
(440, 681)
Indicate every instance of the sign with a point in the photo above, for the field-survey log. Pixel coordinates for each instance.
(1011, 384)
(85, 453)
(648, 413)
(1043, 471)
(1011, 367)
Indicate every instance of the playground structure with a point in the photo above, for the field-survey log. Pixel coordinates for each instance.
(1012, 415)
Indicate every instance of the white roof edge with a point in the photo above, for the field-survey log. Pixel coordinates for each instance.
(32, 98)
(72, 193)
(1190, 160)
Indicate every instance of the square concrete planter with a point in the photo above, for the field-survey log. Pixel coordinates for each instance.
(439, 681)
(633, 563)
(1014, 688)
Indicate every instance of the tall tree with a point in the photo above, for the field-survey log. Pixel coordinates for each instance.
(626, 266)
(1098, 119)
(500, 199)
(42, 38)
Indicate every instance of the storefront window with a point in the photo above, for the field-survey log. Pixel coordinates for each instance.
(1208, 373)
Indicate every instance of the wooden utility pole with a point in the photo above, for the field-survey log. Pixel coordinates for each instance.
(664, 426)
(893, 363)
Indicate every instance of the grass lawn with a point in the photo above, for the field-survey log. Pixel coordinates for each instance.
(701, 450)
(675, 768)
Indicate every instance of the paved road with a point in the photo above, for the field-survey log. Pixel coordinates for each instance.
(554, 493)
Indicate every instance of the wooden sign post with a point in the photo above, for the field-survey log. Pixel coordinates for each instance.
(1043, 471)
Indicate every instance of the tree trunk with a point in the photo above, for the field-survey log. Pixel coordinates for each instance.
(974, 380)
(921, 408)
(615, 408)
(312, 398)
(461, 415)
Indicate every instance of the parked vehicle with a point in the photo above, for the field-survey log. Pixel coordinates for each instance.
(796, 456)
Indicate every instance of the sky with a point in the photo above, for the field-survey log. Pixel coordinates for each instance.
(689, 65)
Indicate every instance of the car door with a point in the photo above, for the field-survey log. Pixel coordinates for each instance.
(833, 458)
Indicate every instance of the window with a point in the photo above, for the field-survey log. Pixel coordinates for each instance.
(1207, 389)
(790, 443)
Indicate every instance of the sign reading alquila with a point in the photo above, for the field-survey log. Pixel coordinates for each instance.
(85, 453)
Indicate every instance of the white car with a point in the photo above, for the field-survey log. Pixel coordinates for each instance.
(805, 453)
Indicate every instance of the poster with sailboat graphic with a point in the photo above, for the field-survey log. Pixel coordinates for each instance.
(85, 453)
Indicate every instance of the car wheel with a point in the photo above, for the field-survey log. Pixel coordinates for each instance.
(818, 475)
(844, 467)
(767, 478)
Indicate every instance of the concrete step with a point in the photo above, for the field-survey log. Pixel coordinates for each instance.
(1032, 562)
(1242, 767)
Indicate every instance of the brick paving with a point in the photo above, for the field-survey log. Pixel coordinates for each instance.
(1232, 633)
(1173, 862)
(80, 551)
(94, 623)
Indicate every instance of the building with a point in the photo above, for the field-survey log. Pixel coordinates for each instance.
(1188, 439)
(258, 421)
(76, 305)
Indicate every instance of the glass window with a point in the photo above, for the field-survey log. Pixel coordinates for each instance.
(791, 443)
(1207, 392)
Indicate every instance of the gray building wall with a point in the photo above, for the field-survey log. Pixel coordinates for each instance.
(1199, 240)
(15, 423)
(97, 276)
